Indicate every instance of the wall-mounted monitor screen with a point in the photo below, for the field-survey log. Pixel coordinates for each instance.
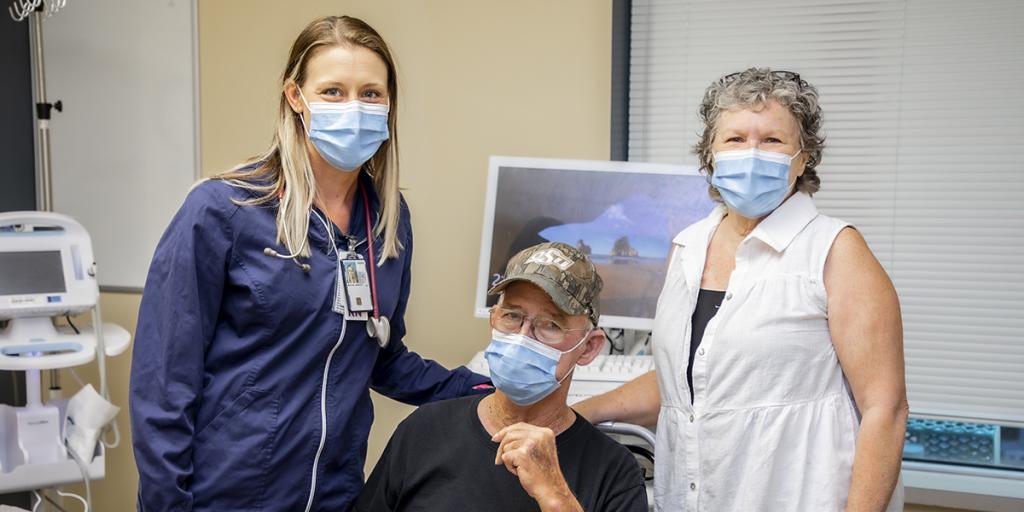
(623, 214)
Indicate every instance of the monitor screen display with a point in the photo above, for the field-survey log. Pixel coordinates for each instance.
(623, 215)
(34, 272)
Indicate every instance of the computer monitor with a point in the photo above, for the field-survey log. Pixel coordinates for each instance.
(623, 214)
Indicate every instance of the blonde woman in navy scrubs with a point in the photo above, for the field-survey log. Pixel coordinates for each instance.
(254, 355)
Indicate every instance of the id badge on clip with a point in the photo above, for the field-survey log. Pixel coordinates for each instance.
(356, 282)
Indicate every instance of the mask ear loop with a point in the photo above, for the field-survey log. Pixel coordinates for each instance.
(302, 118)
(570, 372)
(792, 188)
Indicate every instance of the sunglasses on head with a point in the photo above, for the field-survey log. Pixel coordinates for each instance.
(789, 76)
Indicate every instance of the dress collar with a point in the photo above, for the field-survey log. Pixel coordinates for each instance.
(781, 226)
(777, 230)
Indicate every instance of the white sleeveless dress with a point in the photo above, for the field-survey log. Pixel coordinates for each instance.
(774, 425)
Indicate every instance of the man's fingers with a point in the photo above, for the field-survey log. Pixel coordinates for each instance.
(516, 442)
(506, 446)
(515, 427)
(510, 460)
(507, 437)
(501, 433)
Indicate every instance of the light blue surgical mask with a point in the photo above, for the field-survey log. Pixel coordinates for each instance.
(751, 181)
(346, 134)
(524, 368)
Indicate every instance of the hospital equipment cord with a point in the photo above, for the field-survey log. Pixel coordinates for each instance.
(642, 452)
(113, 424)
(87, 502)
(41, 497)
(49, 500)
(72, 324)
(616, 335)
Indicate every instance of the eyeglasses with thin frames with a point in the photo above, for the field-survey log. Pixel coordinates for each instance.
(542, 328)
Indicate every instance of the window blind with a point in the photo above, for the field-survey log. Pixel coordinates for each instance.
(924, 114)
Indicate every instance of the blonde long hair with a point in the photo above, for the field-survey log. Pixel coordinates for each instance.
(283, 172)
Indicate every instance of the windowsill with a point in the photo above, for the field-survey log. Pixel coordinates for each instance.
(971, 488)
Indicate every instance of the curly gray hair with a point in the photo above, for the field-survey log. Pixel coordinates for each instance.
(754, 87)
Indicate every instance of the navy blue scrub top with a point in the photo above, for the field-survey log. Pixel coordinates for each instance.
(231, 350)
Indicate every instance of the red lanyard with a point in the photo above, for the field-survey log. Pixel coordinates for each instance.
(369, 242)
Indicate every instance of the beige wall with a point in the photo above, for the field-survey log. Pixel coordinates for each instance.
(478, 78)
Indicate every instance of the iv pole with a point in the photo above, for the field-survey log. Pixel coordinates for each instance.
(44, 186)
(21, 10)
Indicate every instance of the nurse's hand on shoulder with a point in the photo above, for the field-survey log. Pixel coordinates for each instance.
(529, 452)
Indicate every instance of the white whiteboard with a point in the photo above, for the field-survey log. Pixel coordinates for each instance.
(125, 149)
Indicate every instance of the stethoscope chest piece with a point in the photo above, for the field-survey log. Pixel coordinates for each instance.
(380, 328)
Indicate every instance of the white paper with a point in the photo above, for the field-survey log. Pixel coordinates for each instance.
(88, 413)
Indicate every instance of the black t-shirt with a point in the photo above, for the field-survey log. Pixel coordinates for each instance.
(442, 458)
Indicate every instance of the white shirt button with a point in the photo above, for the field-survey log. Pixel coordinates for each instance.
(691, 418)
(693, 486)
(700, 351)
(728, 296)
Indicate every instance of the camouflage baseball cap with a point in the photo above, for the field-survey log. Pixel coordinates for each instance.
(563, 272)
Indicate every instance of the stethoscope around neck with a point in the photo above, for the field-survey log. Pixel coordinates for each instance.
(377, 326)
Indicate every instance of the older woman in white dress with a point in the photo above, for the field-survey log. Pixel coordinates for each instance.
(778, 343)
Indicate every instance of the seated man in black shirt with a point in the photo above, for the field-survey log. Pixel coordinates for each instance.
(520, 448)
